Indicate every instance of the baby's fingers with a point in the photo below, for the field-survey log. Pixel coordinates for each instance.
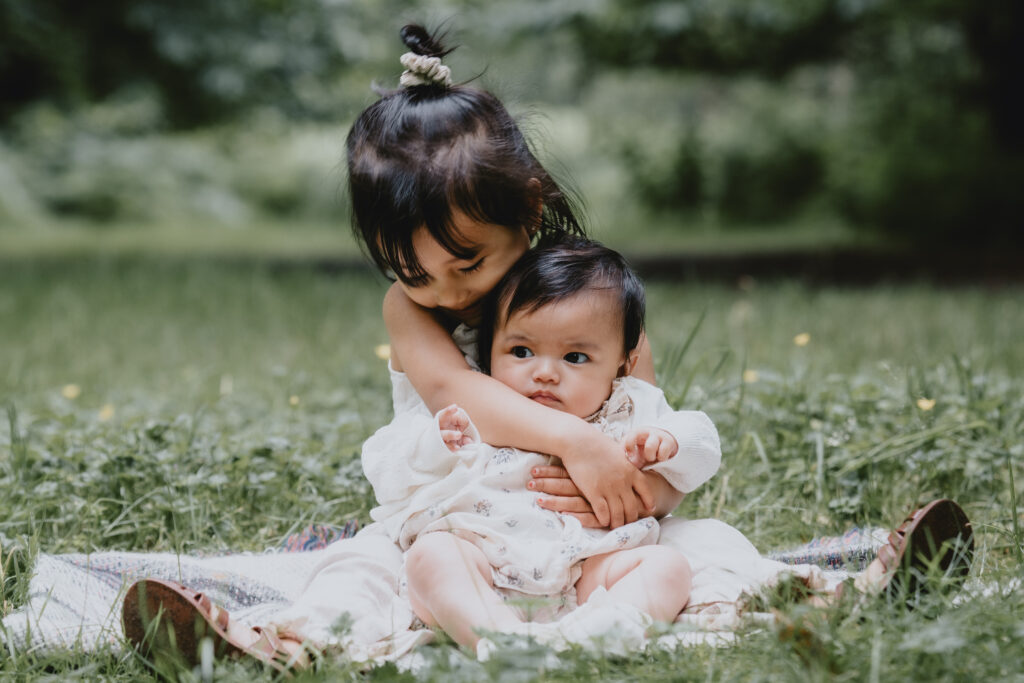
(447, 418)
(667, 449)
(454, 439)
(633, 450)
(652, 447)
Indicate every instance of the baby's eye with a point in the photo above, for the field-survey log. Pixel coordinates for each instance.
(576, 357)
(521, 352)
(472, 268)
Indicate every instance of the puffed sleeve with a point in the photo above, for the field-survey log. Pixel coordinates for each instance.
(407, 454)
(700, 451)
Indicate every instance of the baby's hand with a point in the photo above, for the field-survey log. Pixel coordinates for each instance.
(648, 445)
(453, 423)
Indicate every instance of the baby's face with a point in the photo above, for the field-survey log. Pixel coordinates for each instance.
(565, 354)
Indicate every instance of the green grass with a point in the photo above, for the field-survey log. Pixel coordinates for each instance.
(223, 406)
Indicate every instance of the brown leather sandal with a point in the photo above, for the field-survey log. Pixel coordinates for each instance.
(164, 617)
(935, 538)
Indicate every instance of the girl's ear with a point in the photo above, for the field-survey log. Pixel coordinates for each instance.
(629, 364)
(536, 200)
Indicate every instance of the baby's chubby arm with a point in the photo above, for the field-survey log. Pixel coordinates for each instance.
(423, 349)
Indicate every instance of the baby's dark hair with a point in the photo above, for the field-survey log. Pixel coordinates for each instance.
(557, 271)
(423, 151)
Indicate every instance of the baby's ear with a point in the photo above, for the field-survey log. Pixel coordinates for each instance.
(629, 364)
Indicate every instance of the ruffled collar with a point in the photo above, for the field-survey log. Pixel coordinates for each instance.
(614, 415)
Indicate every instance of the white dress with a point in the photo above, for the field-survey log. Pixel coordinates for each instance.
(479, 492)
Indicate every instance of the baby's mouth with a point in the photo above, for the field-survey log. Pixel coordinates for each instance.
(545, 398)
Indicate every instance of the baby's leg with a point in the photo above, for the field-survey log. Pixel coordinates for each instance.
(450, 587)
(653, 578)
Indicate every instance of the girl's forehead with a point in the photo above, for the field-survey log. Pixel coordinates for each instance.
(465, 238)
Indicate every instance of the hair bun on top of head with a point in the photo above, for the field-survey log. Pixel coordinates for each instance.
(423, 64)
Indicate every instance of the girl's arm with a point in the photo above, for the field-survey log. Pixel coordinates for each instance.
(423, 349)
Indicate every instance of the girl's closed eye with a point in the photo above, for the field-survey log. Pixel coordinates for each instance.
(576, 357)
(521, 352)
(417, 281)
(472, 268)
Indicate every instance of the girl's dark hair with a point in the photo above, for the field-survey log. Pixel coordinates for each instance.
(557, 271)
(421, 152)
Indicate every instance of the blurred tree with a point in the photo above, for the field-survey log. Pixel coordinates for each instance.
(933, 146)
(206, 60)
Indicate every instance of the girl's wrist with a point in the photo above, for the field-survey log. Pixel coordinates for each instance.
(575, 438)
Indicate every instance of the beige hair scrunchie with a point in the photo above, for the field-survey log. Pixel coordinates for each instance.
(424, 70)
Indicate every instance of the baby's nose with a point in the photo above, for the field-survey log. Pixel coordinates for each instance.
(545, 370)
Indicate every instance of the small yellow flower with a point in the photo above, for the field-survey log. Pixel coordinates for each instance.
(293, 400)
(750, 376)
(926, 404)
(383, 351)
(106, 412)
(71, 391)
(802, 339)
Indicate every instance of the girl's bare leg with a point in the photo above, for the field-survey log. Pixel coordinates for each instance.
(655, 579)
(450, 588)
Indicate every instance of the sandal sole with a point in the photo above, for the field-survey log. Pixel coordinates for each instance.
(166, 619)
(940, 538)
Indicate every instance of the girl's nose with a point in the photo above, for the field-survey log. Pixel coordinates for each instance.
(450, 299)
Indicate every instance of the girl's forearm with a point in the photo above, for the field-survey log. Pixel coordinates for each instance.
(506, 418)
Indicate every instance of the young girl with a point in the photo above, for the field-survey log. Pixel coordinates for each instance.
(565, 323)
(446, 197)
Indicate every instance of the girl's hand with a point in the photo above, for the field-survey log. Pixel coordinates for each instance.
(648, 445)
(616, 491)
(453, 423)
(563, 496)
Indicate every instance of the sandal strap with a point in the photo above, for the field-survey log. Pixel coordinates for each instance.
(269, 647)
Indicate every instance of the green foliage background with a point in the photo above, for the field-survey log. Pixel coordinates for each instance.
(899, 119)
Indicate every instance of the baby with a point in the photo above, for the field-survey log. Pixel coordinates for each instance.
(561, 329)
